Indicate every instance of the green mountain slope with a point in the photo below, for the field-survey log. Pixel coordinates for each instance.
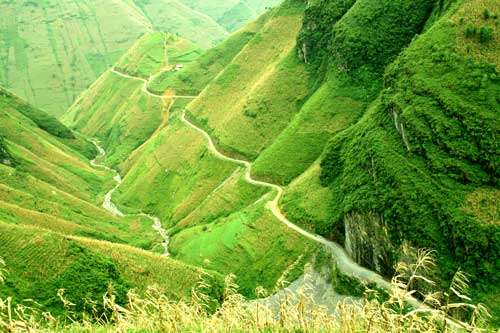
(117, 109)
(85, 268)
(50, 212)
(48, 182)
(425, 151)
(410, 107)
(379, 120)
(50, 51)
(173, 175)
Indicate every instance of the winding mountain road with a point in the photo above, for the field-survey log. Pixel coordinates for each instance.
(343, 261)
(144, 88)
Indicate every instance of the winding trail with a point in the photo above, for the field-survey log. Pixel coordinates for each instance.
(343, 261)
(113, 209)
(144, 88)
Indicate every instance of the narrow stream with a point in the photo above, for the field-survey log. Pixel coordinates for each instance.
(113, 209)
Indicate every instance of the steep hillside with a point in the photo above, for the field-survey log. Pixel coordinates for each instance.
(85, 269)
(119, 108)
(175, 177)
(411, 107)
(50, 51)
(247, 105)
(424, 154)
(371, 123)
(55, 234)
(48, 182)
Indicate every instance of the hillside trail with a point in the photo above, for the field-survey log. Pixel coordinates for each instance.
(343, 261)
(144, 88)
(113, 209)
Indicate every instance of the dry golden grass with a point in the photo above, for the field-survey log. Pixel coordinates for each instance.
(157, 313)
(483, 203)
(471, 12)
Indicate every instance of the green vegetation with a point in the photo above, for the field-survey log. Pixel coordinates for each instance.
(378, 119)
(203, 201)
(52, 51)
(114, 110)
(228, 246)
(50, 184)
(297, 310)
(425, 143)
(85, 269)
(264, 80)
(197, 74)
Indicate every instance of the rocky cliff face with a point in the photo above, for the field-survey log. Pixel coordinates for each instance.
(367, 242)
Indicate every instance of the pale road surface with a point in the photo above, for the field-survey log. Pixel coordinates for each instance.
(145, 86)
(111, 207)
(344, 263)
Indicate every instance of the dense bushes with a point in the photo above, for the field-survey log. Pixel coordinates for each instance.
(89, 277)
(350, 34)
(315, 37)
(46, 122)
(424, 145)
(4, 154)
(372, 33)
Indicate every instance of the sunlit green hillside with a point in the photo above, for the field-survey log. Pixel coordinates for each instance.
(50, 51)
(331, 146)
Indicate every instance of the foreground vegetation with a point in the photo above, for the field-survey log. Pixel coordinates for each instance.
(444, 311)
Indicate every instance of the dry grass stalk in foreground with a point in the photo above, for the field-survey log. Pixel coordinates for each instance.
(156, 313)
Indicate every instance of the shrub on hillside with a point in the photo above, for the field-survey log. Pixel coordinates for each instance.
(316, 33)
(5, 157)
(372, 33)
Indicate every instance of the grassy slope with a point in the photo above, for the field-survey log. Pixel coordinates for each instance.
(249, 243)
(49, 214)
(50, 51)
(115, 109)
(146, 56)
(84, 268)
(424, 155)
(252, 100)
(52, 185)
(54, 50)
(350, 88)
(196, 75)
(175, 177)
